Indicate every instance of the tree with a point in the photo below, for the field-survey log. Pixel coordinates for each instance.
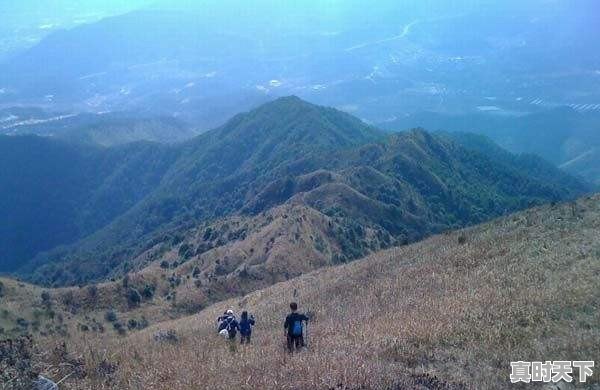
(133, 297)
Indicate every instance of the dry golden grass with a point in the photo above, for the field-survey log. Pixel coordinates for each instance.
(459, 306)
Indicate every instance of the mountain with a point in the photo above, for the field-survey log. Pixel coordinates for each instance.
(567, 137)
(457, 307)
(105, 129)
(346, 188)
(53, 192)
(206, 61)
(513, 70)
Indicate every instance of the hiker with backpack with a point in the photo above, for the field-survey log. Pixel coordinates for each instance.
(246, 323)
(220, 321)
(294, 328)
(228, 325)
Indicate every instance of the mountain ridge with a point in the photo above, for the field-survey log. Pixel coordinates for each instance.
(408, 186)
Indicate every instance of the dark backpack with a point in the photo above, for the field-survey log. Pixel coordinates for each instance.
(230, 327)
(223, 324)
(297, 328)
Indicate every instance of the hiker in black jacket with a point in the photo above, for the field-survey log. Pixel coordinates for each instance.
(246, 323)
(228, 325)
(294, 328)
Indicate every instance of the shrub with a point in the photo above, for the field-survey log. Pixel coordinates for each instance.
(119, 328)
(125, 281)
(176, 240)
(186, 251)
(92, 292)
(148, 291)
(462, 239)
(68, 299)
(133, 297)
(45, 298)
(168, 336)
(110, 316)
(132, 324)
(207, 234)
(1, 289)
(143, 323)
(164, 264)
(196, 272)
(22, 323)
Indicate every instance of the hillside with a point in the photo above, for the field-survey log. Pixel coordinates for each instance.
(564, 136)
(368, 190)
(449, 312)
(54, 193)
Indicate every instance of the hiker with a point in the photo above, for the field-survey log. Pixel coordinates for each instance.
(294, 329)
(228, 325)
(221, 321)
(245, 325)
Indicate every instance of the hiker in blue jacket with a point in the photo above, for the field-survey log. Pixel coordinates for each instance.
(294, 328)
(245, 325)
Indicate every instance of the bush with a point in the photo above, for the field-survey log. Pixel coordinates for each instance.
(1, 289)
(196, 272)
(176, 240)
(22, 323)
(143, 323)
(462, 239)
(133, 297)
(168, 336)
(45, 297)
(164, 264)
(125, 281)
(148, 291)
(110, 316)
(119, 328)
(132, 324)
(92, 291)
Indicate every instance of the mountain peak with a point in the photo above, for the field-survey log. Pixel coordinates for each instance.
(298, 125)
(291, 102)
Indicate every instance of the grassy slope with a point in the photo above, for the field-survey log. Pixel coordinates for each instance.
(523, 287)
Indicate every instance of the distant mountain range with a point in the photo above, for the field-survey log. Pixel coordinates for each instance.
(334, 186)
(514, 71)
(104, 129)
(206, 62)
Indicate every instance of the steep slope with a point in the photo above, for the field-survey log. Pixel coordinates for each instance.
(542, 169)
(450, 312)
(53, 193)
